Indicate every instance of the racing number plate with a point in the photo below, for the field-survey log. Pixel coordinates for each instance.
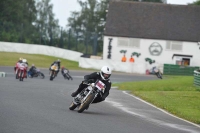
(65, 71)
(100, 85)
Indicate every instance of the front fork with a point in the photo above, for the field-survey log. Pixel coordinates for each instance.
(91, 91)
(77, 100)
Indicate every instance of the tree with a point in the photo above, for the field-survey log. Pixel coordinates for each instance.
(16, 17)
(46, 24)
(159, 1)
(88, 24)
(196, 2)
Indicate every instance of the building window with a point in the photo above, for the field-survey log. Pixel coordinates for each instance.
(178, 62)
(134, 43)
(183, 62)
(122, 42)
(174, 45)
(128, 42)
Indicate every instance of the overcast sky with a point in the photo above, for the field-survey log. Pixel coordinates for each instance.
(62, 8)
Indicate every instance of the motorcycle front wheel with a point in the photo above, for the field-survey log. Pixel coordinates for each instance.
(65, 76)
(69, 77)
(86, 103)
(41, 75)
(72, 106)
(17, 74)
(160, 75)
(21, 77)
(52, 75)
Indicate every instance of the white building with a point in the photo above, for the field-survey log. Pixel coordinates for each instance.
(168, 34)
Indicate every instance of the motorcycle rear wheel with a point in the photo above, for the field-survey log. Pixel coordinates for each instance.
(17, 75)
(72, 106)
(41, 75)
(86, 103)
(69, 77)
(66, 77)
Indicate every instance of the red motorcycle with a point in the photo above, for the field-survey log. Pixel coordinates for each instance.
(21, 71)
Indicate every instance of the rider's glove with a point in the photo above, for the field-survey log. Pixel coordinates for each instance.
(90, 80)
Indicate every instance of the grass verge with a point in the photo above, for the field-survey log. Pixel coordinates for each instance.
(43, 61)
(175, 94)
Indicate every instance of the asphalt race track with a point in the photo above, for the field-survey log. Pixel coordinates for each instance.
(41, 106)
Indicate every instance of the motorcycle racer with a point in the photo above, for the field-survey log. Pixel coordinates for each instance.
(58, 63)
(19, 61)
(65, 73)
(32, 70)
(25, 64)
(104, 76)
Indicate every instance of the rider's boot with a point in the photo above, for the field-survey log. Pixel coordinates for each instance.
(76, 92)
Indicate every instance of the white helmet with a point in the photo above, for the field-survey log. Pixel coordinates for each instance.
(105, 72)
(24, 60)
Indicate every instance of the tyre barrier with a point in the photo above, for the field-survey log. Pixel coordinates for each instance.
(2, 74)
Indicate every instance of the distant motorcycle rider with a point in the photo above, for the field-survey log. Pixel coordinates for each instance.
(32, 70)
(63, 69)
(104, 76)
(19, 61)
(58, 63)
(25, 64)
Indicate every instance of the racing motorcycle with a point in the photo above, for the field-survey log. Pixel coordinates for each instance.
(53, 71)
(157, 72)
(66, 74)
(21, 72)
(37, 73)
(83, 100)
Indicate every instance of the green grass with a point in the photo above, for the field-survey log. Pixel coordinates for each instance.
(175, 94)
(43, 61)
